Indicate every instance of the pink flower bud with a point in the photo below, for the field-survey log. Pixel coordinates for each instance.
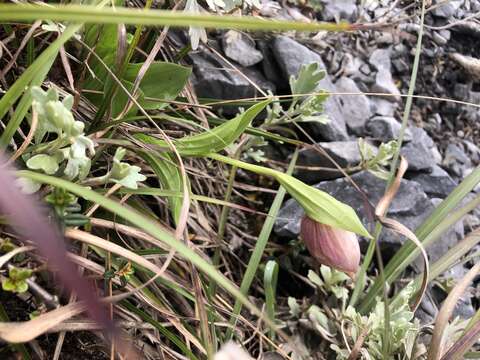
(330, 246)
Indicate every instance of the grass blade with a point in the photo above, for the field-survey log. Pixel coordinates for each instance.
(260, 247)
(121, 15)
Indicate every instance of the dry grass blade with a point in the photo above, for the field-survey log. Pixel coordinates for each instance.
(28, 139)
(18, 332)
(114, 248)
(437, 344)
(394, 225)
(403, 230)
(5, 258)
(389, 195)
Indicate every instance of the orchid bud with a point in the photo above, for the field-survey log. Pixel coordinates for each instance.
(330, 246)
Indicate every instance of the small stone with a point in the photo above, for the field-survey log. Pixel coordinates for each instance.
(380, 59)
(213, 79)
(290, 56)
(384, 84)
(421, 151)
(240, 48)
(344, 153)
(456, 160)
(472, 150)
(400, 65)
(384, 128)
(446, 9)
(436, 184)
(356, 108)
(439, 39)
(335, 10)
(383, 107)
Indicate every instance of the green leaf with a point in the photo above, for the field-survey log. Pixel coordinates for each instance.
(169, 176)
(162, 80)
(307, 79)
(322, 207)
(8, 285)
(213, 140)
(317, 204)
(48, 164)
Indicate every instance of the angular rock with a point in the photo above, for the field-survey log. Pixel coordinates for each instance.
(421, 153)
(356, 108)
(212, 78)
(411, 205)
(385, 128)
(380, 59)
(447, 9)
(344, 153)
(290, 56)
(383, 107)
(240, 48)
(334, 10)
(384, 84)
(437, 184)
(456, 160)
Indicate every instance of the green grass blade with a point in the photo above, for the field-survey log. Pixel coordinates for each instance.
(121, 15)
(430, 230)
(34, 75)
(260, 247)
(270, 279)
(151, 228)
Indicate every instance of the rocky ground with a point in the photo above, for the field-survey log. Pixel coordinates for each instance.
(440, 144)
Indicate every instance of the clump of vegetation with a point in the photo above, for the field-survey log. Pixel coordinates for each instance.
(143, 181)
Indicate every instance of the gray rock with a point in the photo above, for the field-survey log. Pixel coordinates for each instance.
(385, 128)
(344, 153)
(438, 248)
(472, 150)
(384, 84)
(355, 108)
(437, 183)
(240, 48)
(380, 59)
(272, 355)
(447, 9)
(334, 10)
(212, 78)
(290, 56)
(411, 205)
(421, 153)
(439, 39)
(456, 160)
(383, 107)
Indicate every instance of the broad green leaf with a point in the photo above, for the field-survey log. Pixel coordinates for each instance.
(169, 176)
(322, 207)
(162, 80)
(317, 204)
(48, 164)
(213, 140)
(121, 99)
(104, 40)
